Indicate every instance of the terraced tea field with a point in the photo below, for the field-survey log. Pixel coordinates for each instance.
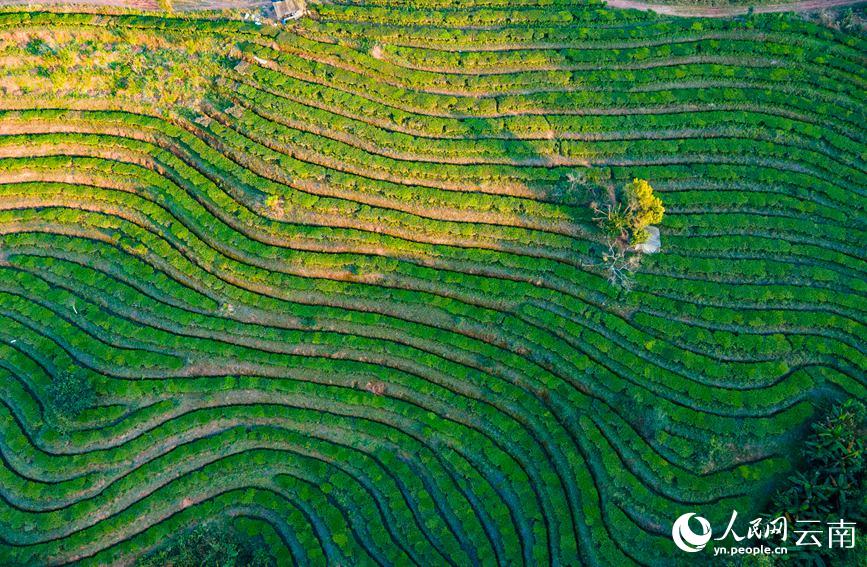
(339, 282)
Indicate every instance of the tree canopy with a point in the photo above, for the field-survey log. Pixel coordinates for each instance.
(643, 208)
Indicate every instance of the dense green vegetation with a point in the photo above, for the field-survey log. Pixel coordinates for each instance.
(830, 481)
(210, 544)
(341, 284)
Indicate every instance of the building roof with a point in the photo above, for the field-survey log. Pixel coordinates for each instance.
(288, 9)
(653, 242)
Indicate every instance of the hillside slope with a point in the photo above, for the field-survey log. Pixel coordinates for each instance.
(341, 280)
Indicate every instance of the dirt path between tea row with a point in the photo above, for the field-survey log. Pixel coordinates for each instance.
(179, 5)
(668, 9)
(726, 11)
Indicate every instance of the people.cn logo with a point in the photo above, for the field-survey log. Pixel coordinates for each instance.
(685, 538)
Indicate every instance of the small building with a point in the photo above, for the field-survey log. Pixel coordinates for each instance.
(653, 242)
(287, 10)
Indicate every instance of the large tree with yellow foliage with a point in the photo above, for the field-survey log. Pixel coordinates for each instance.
(643, 209)
(624, 220)
(630, 212)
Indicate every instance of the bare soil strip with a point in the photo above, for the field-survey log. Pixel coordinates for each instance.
(727, 11)
(129, 4)
(179, 5)
(667, 9)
